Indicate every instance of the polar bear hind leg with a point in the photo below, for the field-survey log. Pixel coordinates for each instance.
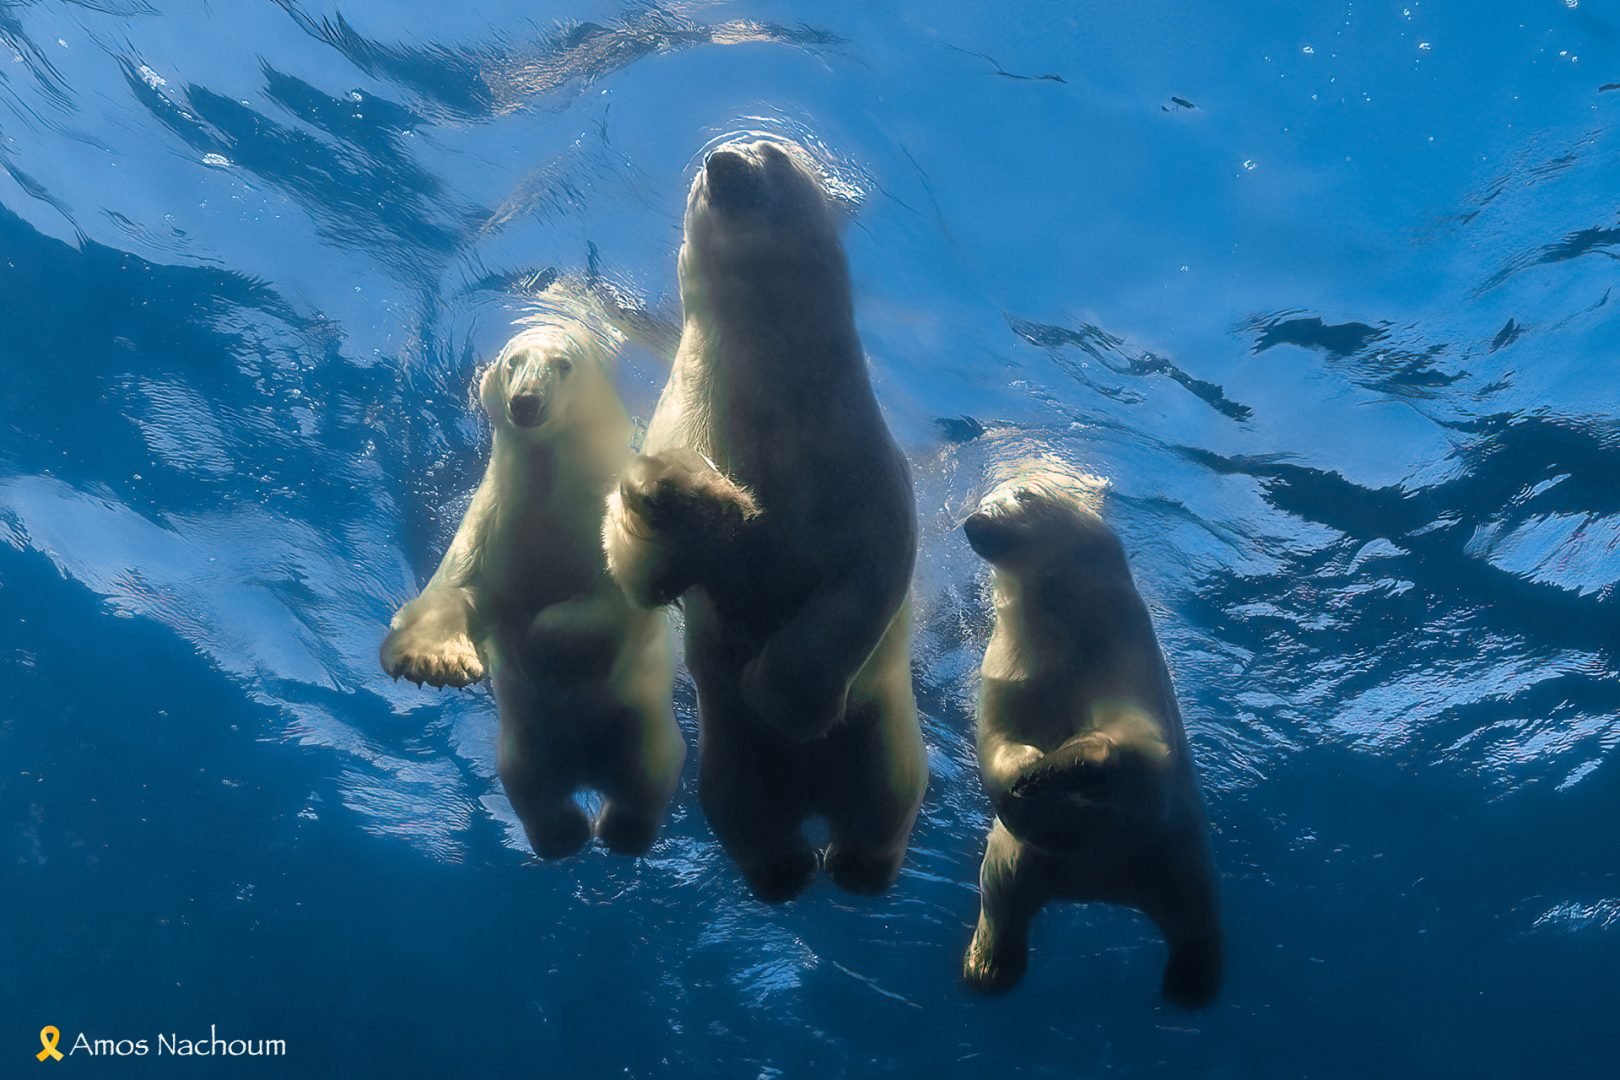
(1181, 900)
(537, 785)
(758, 821)
(1192, 977)
(1010, 893)
(638, 785)
(881, 774)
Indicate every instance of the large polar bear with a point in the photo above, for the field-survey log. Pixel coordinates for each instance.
(582, 678)
(1081, 743)
(771, 494)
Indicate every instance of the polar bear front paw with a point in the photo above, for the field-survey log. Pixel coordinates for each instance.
(1081, 766)
(800, 708)
(427, 658)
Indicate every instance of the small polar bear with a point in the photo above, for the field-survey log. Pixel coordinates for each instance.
(773, 502)
(1080, 742)
(582, 678)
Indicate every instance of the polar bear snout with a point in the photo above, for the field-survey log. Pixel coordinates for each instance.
(732, 181)
(990, 535)
(528, 409)
(531, 388)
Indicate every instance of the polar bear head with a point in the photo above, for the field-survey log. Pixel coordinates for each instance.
(1041, 520)
(758, 218)
(547, 379)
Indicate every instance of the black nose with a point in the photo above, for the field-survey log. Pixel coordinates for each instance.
(732, 180)
(526, 409)
(986, 535)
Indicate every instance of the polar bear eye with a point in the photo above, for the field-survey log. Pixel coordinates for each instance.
(564, 366)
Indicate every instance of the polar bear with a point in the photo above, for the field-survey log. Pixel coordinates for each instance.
(1080, 742)
(582, 678)
(773, 501)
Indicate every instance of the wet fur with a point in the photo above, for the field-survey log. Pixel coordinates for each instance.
(797, 620)
(1081, 746)
(582, 678)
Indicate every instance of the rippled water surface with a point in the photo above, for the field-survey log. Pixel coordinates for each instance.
(1323, 289)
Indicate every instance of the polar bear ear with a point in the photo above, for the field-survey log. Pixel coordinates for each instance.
(490, 385)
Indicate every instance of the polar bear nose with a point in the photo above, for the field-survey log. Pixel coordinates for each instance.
(987, 536)
(526, 409)
(732, 180)
(977, 527)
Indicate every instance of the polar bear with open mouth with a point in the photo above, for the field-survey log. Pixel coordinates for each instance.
(582, 678)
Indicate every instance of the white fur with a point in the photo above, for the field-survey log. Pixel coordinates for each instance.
(1080, 740)
(797, 634)
(582, 679)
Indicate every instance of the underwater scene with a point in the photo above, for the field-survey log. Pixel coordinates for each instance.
(1134, 488)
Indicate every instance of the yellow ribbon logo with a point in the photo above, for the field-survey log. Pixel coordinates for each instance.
(48, 1038)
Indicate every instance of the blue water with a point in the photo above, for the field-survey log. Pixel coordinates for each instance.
(1323, 289)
